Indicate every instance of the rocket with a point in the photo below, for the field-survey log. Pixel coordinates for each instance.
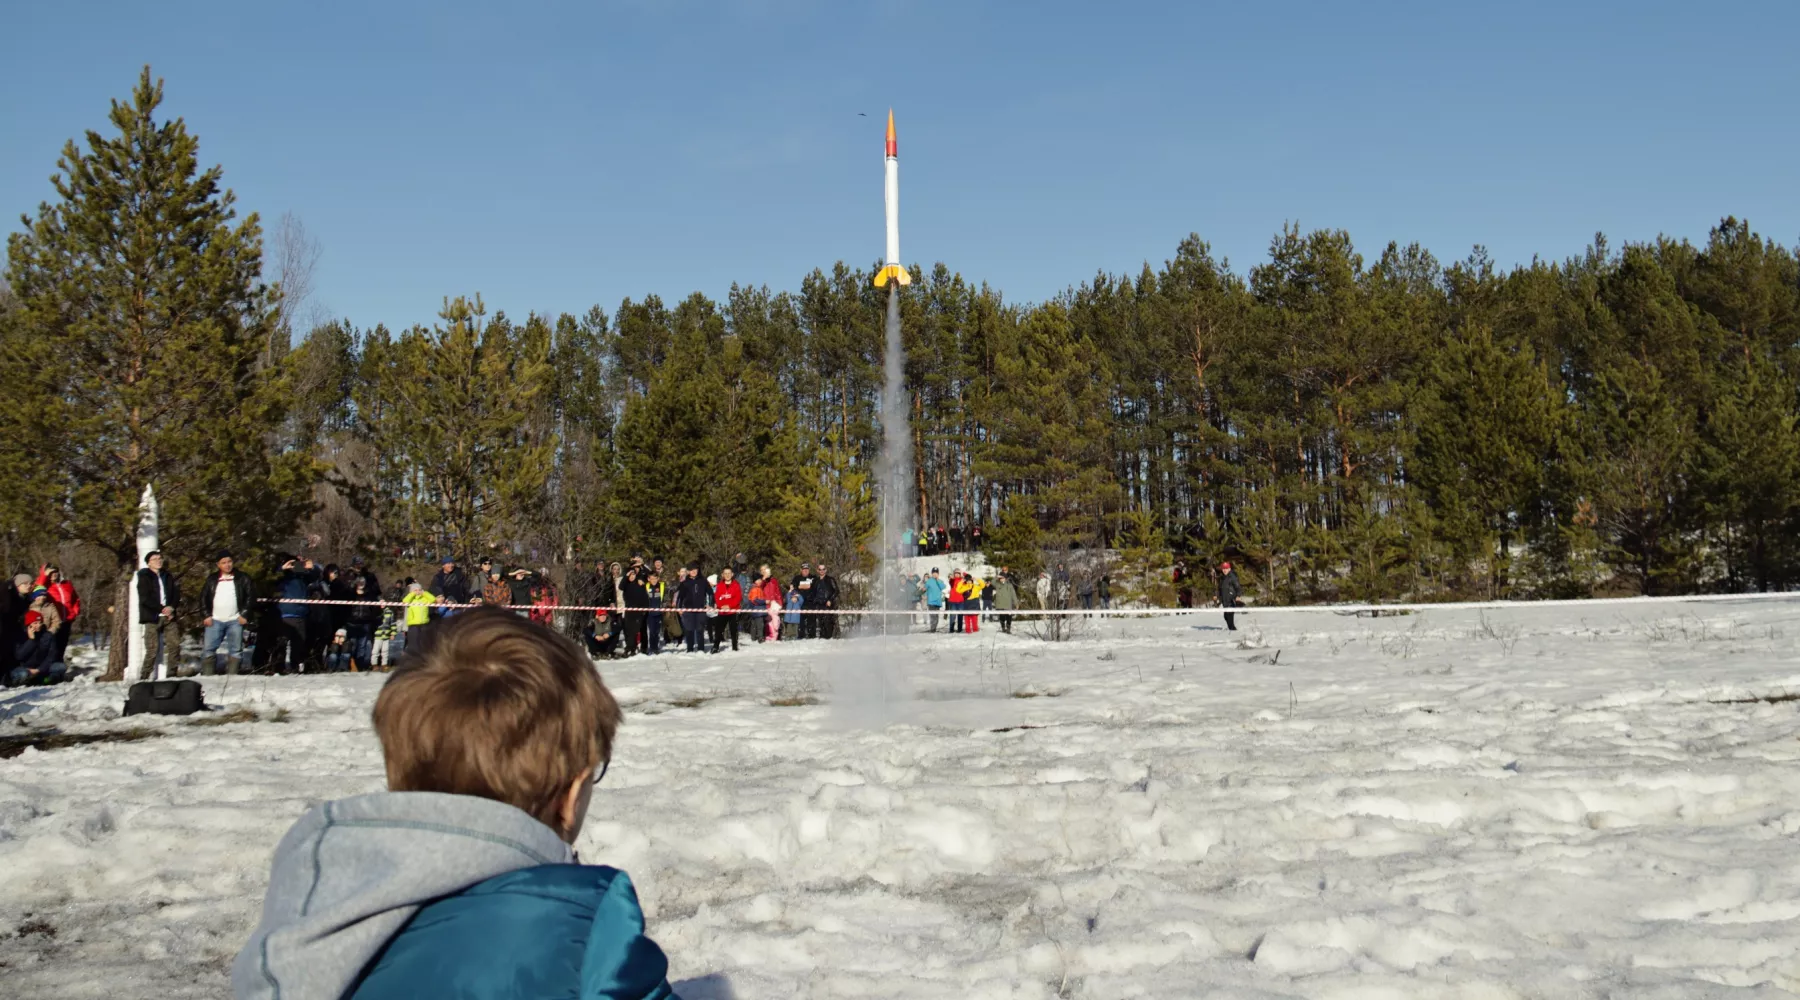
(892, 269)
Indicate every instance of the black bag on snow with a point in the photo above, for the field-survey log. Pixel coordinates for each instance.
(164, 698)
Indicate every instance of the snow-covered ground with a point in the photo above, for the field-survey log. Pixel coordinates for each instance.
(1544, 803)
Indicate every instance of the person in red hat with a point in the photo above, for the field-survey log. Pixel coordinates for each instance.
(1229, 593)
(35, 656)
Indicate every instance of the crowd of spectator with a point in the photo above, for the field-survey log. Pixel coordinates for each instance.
(40, 614)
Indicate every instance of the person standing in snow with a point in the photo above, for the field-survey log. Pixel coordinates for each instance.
(1006, 601)
(935, 592)
(519, 585)
(796, 599)
(494, 591)
(954, 595)
(418, 602)
(365, 618)
(1229, 593)
(1184, 587)
(808, 624)
(691, 599)
(157, 598)
(728, 597)
(656, 595)
(636, 598)
(974, 588)
(770, 588)
(824, 597)
(227, 599)
(381, 650)
(1043, 590)
(68, 604)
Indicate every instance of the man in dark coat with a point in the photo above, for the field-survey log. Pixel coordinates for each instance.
(34, 658)
(286, 643)
(637, 598)
(157, 598)
(809, 624)
(1229, 593)
(372, 583)
(692, 596)
(824, 595)
(519, 585)
(13, 605)
(450, 585)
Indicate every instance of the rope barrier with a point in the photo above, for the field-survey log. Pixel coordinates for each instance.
(1341, 609)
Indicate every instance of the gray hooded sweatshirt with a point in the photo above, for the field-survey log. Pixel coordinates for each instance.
(351, 873)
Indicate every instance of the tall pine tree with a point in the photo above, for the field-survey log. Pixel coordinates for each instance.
(132, 358)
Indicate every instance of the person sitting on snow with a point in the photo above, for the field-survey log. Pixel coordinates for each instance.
(462, 879)
(34, 658)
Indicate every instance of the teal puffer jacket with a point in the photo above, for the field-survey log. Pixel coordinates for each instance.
(422, 894)
(551, 931)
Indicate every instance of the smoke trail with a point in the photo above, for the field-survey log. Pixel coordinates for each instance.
(896, 443)
(872, 690)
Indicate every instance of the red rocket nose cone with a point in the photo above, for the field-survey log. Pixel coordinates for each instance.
(893, 145)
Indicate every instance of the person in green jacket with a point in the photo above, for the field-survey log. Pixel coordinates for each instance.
(1006, 599)
(461, 879)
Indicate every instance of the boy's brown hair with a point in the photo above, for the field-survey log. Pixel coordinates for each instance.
(498, 706)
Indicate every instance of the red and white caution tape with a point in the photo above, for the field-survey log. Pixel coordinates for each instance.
(1342, 609)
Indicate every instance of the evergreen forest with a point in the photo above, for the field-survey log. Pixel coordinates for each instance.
(1342, 423)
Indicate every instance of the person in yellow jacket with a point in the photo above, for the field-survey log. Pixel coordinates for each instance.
(418, 603)
(977, 587)
(968, 588)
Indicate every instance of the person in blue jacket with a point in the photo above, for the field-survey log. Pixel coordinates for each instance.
(935, 590)
(461, 880)
(790, 614)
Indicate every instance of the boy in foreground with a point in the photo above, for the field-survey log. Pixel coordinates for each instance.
(460, 879)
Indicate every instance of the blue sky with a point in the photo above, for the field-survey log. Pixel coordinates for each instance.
(554, 156)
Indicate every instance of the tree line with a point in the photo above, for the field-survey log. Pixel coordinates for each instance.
(1619, 421)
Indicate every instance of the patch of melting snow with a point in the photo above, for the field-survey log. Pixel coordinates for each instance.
(1338, 822)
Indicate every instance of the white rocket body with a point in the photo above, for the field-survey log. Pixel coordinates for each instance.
(891, 269)
(893, 211)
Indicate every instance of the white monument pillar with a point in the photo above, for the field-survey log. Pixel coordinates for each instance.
(149, 513)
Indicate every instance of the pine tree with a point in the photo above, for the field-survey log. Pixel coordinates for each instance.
(1047, 427)
(457, 416)
(706, 455)
(830, 515)
(1017, 542)
(1639, 443)
(132, 358)
(1749, 467)
(1145, 562)
(1483, 426)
